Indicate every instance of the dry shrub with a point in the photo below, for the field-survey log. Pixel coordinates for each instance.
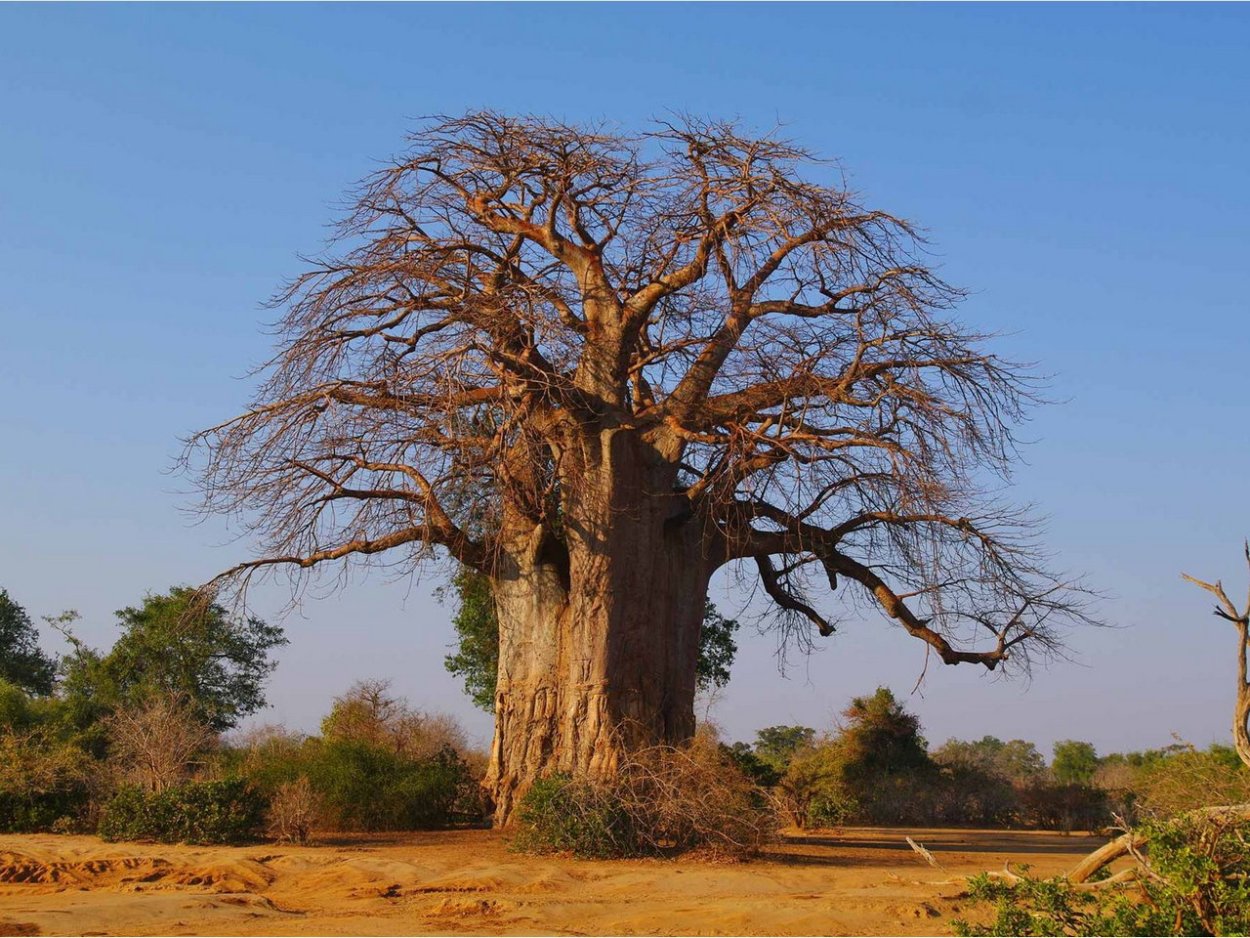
(693, 797)
(294, 812)
(1192, 779)
(662, 800)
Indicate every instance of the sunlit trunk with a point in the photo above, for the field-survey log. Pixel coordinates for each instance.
(598, 628)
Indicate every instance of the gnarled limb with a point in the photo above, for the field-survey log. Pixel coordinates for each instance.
(1240, 618)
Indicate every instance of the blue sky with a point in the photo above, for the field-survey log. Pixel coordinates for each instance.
(1082, 169)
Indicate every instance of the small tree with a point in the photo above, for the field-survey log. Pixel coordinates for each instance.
(882, 738)
(369, 714)
(176, 644)
(21, 661)
(1074, 762)
(156, 744)
(775, 746)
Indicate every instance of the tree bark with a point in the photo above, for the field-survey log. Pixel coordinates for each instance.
(598, 622)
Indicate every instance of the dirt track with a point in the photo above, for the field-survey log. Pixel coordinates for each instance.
(860, 881)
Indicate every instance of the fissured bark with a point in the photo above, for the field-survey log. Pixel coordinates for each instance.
(598, 622)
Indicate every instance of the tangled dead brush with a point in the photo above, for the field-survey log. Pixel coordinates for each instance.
(294, 812)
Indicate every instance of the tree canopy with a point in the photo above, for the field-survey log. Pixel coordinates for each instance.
(1016, 760)
(175, 643)
(880, 737)
(598, 366)
(1075, 762)
(510, 281)
(22, 662)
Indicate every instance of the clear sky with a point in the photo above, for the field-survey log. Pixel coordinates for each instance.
(1084, 170)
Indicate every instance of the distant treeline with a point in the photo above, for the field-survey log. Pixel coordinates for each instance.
(876, 768)
(136, 742)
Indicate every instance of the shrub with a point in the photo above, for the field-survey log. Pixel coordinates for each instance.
(362, 785)
(44, 781)
(1188, 779)
(664, 800)
(294, 810)
(562, 815)
(368, 788)
(811, 791)
(831, 809)
(1195, 884)
(219, 812)
(1065, 807)
(61, 811)
(693, 798)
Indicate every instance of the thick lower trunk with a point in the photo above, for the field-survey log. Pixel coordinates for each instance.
(598, 643)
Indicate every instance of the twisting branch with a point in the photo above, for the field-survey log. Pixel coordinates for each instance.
(1226, 609)
(515, 299)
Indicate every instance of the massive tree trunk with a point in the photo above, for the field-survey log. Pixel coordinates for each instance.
(598, 622)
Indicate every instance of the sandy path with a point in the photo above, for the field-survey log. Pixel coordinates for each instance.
(859, 882)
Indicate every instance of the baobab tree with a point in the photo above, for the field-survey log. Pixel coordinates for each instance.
(597, 367)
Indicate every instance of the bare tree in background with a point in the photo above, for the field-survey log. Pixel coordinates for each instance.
(369, 713)
(598, 367)
(156, 744)
(1226, 609)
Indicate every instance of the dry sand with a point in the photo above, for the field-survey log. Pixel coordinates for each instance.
(859, 881)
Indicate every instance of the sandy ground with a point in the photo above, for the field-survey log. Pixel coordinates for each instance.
(859, 881)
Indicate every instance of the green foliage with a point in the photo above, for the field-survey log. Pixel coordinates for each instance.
(750, 764)
(367, 788)
(1196, 885)
(44, 782)
(362, 784)
(16, 711)
(881, 738)
(1074, 763)
(717, 648)
(775, 746)
(1015, 760)
(813, 788)
(561, 815)
(476, 659)
(22, 663)
(174, 643)
(219, 812)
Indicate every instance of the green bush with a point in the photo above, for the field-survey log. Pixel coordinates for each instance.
(220, 812)
(368, 788)
(562, 815)
(60, 811)
(1196, 884)
(831, 809)
(43, 781)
